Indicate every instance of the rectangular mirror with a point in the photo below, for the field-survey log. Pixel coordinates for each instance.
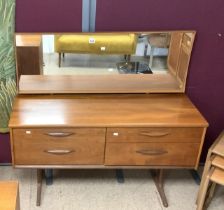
(114, 53)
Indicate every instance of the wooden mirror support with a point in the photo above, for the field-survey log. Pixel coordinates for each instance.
(29, 65)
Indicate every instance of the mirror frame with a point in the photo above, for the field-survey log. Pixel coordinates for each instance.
(174, 81)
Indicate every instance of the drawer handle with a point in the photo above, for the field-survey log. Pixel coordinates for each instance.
(154, 134)
(59, 134)
(59, 151)
(151, 152)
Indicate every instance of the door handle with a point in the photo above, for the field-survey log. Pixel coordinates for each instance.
(59, 134)
(154, 134)
(59, 151)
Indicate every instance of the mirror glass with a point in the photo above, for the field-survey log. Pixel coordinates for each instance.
(107, 53)
(160, 59)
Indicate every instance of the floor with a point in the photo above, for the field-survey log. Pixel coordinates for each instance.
(86, 64)
(99, 190)
(105, 64)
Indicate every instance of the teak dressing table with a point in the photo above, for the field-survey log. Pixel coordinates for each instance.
(83, 122)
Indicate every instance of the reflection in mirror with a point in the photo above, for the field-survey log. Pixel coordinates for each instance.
(105, 53)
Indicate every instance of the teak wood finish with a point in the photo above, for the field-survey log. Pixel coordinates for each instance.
(9, 195)
(213, 171)
(173, 81)
(29, 55)
(106, 131)
(109, 121)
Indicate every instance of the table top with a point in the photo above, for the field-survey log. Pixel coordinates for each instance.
(28, 40)
(218, 146)
(105, 110)
(8, 195)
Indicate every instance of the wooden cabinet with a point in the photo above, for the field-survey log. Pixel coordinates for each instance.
(29, 55)
(105, 121)
(108, 129)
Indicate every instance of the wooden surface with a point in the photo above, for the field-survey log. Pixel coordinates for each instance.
(9, 195)
(174, 52)
(171, 135)
(218, 162)
(29, 55)
(218, 147)
(23, 40)
(50, 146)
(105, 110)
(157, 154)
(217, 176)
(123, 83)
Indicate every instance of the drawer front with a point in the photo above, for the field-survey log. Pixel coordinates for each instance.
(152, 154)
(179, 135)
(58, 146)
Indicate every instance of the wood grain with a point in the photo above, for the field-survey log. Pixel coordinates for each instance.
(9, 195)
(123, 83)
(217, 176)
(29, 55)
(218, 162)
(35, 146)
(218, 146)
(154, 135)
(159, 154)
(105, 110)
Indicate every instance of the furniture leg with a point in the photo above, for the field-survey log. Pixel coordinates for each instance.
(145, 50)
(120, 176)
(39, 185)
(63, 54)
(151, 57)
(127, 58)
(49, 176)
(196, 176)
(205, 172)
(201, 198)
(59, 59)
(210, 195)
(158, 179)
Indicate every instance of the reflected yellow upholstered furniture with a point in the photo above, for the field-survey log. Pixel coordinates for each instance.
(102, 43)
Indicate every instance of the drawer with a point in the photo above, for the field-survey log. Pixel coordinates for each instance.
(58, 146)
(179, 135)
(187, 41)
(152, 154)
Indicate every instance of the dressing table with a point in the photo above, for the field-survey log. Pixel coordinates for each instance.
(109, 121)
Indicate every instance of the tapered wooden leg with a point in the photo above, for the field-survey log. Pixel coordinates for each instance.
(210, 195)
(207, 167)
(39, 185)
(63, 54)
(158, 179)
(59, 59)
(204, 189)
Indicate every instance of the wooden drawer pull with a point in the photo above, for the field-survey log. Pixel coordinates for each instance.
(154, 134)
(59, 151)
(59, 134)
(151, 152)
